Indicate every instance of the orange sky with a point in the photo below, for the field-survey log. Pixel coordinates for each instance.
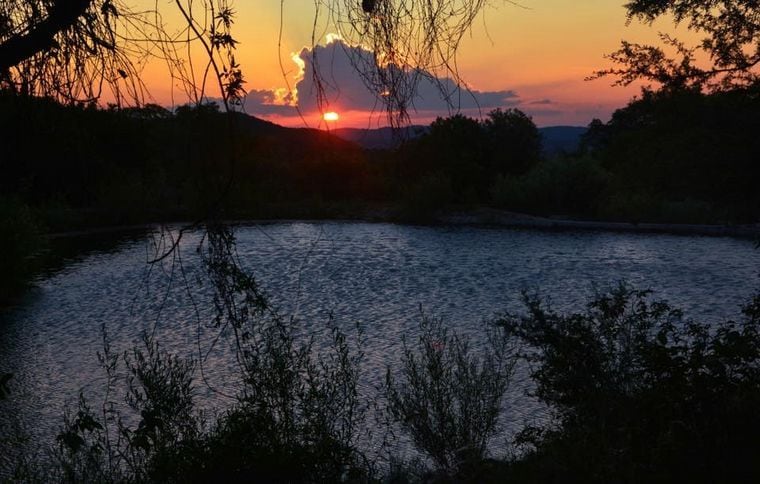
(540, 50)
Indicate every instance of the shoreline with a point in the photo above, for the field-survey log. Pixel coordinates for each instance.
(503, 218)
(489, 217)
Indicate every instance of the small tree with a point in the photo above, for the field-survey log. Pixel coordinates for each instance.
(449, 399)
(454, 147)
(513, 142)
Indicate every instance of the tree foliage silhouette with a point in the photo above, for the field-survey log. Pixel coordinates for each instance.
(730, 31)
(41, 32)
(71, 50)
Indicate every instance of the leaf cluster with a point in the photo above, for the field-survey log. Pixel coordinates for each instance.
(639, 393)
(730, 31)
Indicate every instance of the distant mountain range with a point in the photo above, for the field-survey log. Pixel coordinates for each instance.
(380, 138)
(275, 139)
(556, 139)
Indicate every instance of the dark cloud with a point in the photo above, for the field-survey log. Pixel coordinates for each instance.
(541, 102)
(265, 102)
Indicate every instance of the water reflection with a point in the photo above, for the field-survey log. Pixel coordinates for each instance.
(378, 275)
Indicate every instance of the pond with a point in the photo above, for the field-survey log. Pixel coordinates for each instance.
(381, 276)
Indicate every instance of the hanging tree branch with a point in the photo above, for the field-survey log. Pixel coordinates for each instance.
(63, 14)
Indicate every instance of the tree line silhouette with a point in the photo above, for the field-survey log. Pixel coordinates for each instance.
(680, 156)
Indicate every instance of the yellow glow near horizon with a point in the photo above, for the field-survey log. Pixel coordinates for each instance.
(331, 117)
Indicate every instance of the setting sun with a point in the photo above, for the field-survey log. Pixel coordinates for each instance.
(332, 116)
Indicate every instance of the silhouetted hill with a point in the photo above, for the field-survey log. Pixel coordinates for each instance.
(293, 140)
(556, 139)
(380, 138)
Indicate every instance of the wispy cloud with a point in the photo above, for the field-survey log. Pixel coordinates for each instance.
(541, 102)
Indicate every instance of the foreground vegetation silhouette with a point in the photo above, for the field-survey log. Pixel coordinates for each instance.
(640, 393)
(636, 392)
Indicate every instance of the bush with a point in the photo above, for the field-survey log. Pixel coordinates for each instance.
(641, 394)
(448, 400)
(690, 211)
(561, 185)
(165, 445)
(297, 417)
(20, 241)
(632, 207)
(421, 201)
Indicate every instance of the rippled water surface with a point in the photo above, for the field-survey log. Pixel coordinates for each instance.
(377, 275)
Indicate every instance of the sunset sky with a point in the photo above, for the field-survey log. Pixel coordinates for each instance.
(533, 56)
